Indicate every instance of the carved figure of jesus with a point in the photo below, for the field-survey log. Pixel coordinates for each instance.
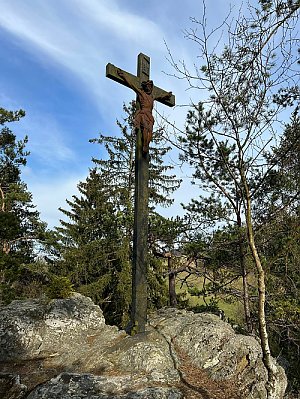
(144, 118)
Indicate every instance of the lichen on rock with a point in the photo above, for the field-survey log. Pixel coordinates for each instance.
(63, 349)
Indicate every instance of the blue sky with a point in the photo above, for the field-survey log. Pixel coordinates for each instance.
(53, 61)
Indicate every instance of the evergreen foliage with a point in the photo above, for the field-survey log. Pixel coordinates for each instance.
(97, 239)
(278, 234)
(20, 226)
(246, 215)
(249, 83)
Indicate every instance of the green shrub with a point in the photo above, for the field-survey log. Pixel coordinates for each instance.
(59, 288)
(211, 307)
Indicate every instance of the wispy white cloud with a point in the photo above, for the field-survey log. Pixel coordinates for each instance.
(116, 21)
(47, 139)
(50, 195)
(80, 35)
(83, 35)
(75, 39)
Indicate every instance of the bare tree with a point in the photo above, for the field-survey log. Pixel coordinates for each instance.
(227, 134)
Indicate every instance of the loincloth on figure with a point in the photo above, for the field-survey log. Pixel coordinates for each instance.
(144, 120)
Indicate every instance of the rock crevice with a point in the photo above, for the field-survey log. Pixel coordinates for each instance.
(63, 349)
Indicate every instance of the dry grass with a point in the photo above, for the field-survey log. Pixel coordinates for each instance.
(197, 384)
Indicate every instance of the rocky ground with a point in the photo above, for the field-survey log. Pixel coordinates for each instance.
(63, 349)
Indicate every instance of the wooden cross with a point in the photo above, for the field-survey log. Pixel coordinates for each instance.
(140, 231)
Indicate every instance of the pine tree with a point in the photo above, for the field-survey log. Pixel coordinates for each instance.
(95, 247)
(97, 241)
(216, 170)
(240, 115)
(20, 226)
(278, 219)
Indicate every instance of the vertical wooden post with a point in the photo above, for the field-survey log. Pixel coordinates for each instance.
(140, 233)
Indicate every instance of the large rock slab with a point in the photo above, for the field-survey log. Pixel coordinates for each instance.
(212, 345)
(39, 339)
(34, 329)
(63, 349)
(87, 386)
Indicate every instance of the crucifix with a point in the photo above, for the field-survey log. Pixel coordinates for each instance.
(146, 94)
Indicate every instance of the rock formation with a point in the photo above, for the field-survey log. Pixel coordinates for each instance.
(62, 349)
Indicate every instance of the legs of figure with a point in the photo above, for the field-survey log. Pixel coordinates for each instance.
(145, 121)
(147, 136)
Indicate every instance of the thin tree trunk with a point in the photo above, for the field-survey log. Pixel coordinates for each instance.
(246, 297)
(2, 196)
(263, 333)
(172, 284)
(244, 274)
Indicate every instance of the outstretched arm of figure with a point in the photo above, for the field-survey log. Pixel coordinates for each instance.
(128, 81)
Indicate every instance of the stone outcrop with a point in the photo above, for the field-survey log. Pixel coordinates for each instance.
(69, 386)
(63, 349)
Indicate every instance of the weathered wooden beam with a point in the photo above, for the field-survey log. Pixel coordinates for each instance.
(111, 73)
(141, 209)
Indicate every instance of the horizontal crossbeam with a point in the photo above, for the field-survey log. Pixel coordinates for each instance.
(111, 72)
